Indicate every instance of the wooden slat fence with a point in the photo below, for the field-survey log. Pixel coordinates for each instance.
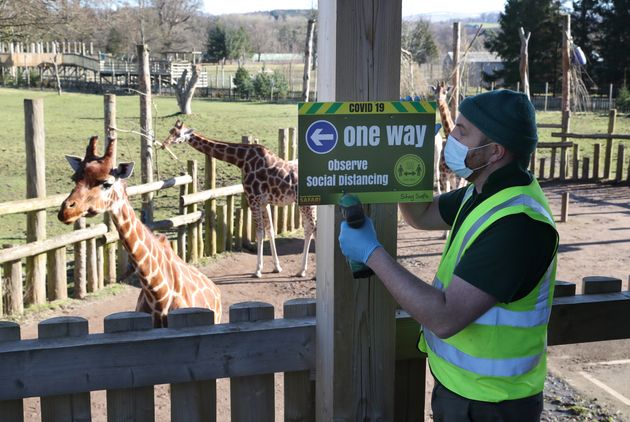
(192, 353)
(222, 223)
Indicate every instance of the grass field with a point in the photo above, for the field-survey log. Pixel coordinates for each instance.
(71, 119)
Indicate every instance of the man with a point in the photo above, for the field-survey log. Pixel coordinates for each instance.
(484, 319)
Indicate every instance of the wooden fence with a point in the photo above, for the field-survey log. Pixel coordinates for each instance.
(65, 363)
(588, 167)
(204, 228)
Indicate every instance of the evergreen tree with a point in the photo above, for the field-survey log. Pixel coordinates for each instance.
(614, 42)
(541, 18)
(243, 83)
(418, 40)
(237, 44)
(217, 42)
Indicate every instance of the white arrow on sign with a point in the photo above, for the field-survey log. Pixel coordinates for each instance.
(317, 136)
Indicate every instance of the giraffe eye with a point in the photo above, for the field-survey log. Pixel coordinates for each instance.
(107, 185)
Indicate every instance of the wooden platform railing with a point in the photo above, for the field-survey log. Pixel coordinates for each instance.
(131, 357)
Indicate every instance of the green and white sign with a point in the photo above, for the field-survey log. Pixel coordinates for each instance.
(380, 151)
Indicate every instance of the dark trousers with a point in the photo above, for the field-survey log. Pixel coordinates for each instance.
(450, 407)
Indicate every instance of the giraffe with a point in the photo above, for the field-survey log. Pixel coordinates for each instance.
(447, 179)
(267, 180)
(167, 281)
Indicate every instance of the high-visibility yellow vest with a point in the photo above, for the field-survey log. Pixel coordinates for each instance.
(502, 355)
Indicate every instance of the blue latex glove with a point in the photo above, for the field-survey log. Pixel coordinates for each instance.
(358, 244)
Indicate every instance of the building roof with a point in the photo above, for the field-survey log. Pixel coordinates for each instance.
(277, 57)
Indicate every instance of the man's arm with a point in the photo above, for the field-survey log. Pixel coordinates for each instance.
(444, 313)
(423, 215)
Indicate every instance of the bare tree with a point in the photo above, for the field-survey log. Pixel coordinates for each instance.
(308, 59)
(185, 89)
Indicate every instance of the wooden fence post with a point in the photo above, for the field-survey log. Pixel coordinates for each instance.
(620, 160)
(127, 404)
(596, 160)
(229, 214)
(256, 390)
(146, 125)
(541, 170)
(66, 407)
(564, 213)
(34, 135)
(552, 163)
(181, 231)
(576, 161)
(292, 156)
(585, 168)
(92, 266)
(57, 275)
(210, 248)
(10, 410)
(299, 386)
(221, 228)
(194, 401)
(13, 286)
(612, 117)
(109, 106)
(532, 162)
(192, 229)
(80, 263)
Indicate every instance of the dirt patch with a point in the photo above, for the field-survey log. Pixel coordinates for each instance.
(594, 241)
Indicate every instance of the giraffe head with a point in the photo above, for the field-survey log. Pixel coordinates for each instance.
(178, 134)
(96, 181)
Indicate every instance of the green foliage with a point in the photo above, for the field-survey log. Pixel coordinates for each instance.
(243, 83)
(623, 99)
(237, 43)
(543, 19)
(418, 40)
(115, 42)
(217, 42)
(268, 85)
(612, 41)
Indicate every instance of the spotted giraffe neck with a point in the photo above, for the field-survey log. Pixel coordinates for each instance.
(139, 242)
(445, 116)
(224, 151)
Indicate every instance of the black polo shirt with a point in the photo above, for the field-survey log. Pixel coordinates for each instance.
(508, 259)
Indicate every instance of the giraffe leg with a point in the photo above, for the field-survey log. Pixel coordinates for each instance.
(308, 220)
(260, 236)
(272, 240)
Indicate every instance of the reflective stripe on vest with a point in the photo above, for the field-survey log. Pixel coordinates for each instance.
(482, 366)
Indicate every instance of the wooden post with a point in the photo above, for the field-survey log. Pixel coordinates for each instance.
(359, 60)
(57, 277)
(146, 128)
(523, 65)
(308, 60)
(109, 121)
(612, 117)
(221, 228)
(532, 163)
(552, 163)
(292, 156)
(10, 410)
(620, 160)
(546, 94)
(210, 248)
(80, 264)
(92, 266)
(238, 229)
(181, 231)
(194, 401)
(229, 214)
(66, 407)
(585, 168)
(566, 73)
(299, 387)
(596, 155)
(256, 390)
(563, 163)
(283, 152)
(576, 161)
(193, 228)
(564, 213)
(456, 82)
(129, 403)
(34, 136)
(541, 170)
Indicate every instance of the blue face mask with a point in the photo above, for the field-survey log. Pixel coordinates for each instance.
(455, 154)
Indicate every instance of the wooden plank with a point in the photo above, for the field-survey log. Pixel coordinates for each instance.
(590, 135)
(205, 195)
(541, 169)
(64, 407)
(129, 404)
(299, 387)
(540, 145)
(12, 273)
(10, 410)
(552, 163)
(30, 249)
(57, 274)
(549, 125)
(410, 371)
(585, 168)
(564, 288)
(564, 210)
(194, 401)
(612, 117)
(620, 160)
(255, 390)
(596, 160)
(600, 284)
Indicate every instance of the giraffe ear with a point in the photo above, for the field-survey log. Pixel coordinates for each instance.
(75, 162)
(124, 170)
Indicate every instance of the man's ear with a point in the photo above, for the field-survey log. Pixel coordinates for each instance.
(75, 162)
(124, 170)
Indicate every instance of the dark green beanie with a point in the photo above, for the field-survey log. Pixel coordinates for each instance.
(507, 117)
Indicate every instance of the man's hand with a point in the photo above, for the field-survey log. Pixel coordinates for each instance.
(358, 244)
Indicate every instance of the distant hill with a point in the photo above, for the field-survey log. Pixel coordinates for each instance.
(488, 17)
(283, 13)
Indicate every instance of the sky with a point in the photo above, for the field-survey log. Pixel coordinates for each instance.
(410, 7)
